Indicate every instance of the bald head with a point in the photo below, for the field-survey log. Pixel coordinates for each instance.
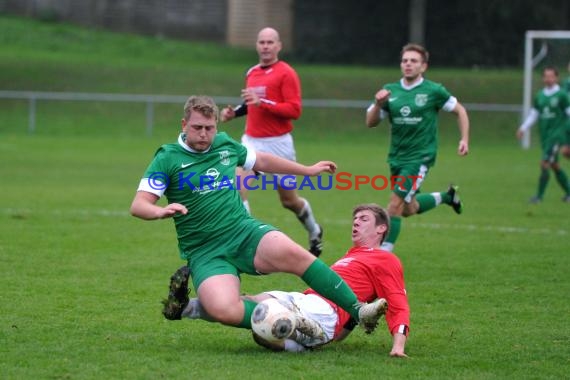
(268, 46)
(270, 33)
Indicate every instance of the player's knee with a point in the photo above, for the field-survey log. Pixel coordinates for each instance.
(396, 206)
(294, 204)
(228, 314)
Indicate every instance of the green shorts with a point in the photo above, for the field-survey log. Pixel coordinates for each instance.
(566, 140)
(229, 254)
(406, 179)
(550, 153)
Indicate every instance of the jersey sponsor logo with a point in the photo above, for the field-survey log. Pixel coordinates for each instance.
(184, 166)
(405, 111)
(260, 91)
(421, 100)
(225, 157)
(343, 262)
(213, 172)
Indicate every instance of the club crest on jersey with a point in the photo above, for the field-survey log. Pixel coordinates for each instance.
(421, 100)
(405, 111)
(225, 157)
(553, 102)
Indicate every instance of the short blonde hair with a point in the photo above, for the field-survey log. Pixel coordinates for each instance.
(202, 104)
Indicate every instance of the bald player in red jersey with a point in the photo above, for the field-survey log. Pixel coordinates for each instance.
(271, 101)
(370, 272)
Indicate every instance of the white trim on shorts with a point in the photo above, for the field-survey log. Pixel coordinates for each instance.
(420, 178)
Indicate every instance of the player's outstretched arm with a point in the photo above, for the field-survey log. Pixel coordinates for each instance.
(144, 207)
(463, 122)
(227, 114)
(267, 162)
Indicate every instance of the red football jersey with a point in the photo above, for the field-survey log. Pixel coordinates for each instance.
(374, 273)
(279, 89)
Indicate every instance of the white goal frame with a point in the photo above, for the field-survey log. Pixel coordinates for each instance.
(530, 63)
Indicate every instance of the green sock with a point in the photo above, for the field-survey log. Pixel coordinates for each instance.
(329, 284)
(428, 201)
(395, 224)
(542, 182)
(248, 306)
(563, 181)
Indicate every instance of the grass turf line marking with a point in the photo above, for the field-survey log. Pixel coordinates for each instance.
(25, 213)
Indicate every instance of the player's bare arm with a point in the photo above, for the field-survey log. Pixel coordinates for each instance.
(463, 122)
(373, 113)
(144, 206)
(266, 162)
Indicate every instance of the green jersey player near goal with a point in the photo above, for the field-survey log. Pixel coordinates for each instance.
(551, 108)
(412, 105)
(216, 236)
(565, 150)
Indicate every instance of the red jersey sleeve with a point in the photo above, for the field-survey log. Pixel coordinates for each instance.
(389, 282)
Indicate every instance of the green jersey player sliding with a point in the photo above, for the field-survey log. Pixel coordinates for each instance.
(216, 235)
(412, 107)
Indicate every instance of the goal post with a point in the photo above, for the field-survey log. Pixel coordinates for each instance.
(530, 62)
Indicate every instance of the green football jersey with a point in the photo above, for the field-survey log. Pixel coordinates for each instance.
(566, 85)
(551, 106)
(413, 113)
(205, 183)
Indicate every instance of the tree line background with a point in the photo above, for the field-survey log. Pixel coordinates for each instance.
(461, 33)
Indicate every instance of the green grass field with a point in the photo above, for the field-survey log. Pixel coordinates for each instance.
(82, 280)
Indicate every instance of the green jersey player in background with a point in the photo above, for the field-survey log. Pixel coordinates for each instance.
(216, 235)
(552, 110)
(412, 106)
(565, 150)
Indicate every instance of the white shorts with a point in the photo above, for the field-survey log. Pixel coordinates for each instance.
(313, 307)
(281, 146)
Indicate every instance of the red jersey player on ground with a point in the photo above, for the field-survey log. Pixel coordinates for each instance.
(371, 273)
(272, 99)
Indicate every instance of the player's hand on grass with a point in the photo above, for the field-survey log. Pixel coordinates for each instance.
(322, 167)
(463, 148)
(172, 209)
(398, 354)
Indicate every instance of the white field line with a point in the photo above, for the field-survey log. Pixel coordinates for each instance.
(23, 213)
(474, 227)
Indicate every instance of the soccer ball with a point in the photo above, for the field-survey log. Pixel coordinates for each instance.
(272, 320)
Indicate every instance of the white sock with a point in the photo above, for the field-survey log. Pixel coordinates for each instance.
(193, 310)
(246, 205)
(437, 197)
(387, 246)
(308, 219)
(292, 346)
